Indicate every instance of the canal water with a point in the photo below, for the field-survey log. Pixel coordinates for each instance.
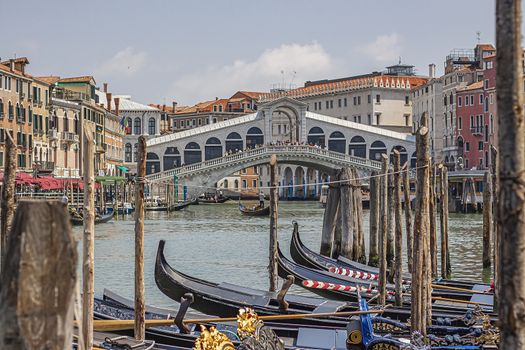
(217, 243)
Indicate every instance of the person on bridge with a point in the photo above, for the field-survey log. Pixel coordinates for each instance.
(261, 199)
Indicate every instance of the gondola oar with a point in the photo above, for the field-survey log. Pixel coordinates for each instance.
(118, 325)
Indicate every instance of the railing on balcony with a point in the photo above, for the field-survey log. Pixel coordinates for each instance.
(477, 130)
(53, 135)
(69, 137)
(69, 95)
(44, 166)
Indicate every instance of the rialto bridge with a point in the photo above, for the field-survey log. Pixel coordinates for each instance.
(311, 145)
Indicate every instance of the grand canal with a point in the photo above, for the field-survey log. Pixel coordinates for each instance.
(216, 243)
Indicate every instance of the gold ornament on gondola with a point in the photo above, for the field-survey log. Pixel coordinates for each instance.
(212, 339)
(248, 323)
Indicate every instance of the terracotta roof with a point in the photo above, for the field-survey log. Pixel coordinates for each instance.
(51, 79)
(5, 68)
(253, 94)
(486, 47)
(82, 79)
(167, 108)
(16, 60)
(489, 56)
(473, 86)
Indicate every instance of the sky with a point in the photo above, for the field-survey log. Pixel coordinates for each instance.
(159, 51)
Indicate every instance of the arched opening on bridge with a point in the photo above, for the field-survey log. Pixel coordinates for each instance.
(192, 153)
(285, 124)
(212, 149)
(287, 185)
(402, 153)
(299, 189)
(311, 183)
(413, 160)
(236, 185)
(234, 142)
(254, 137)
(357, 147)
(376, 149)
(152, 163)
(171, 158)
(316, 136)
(337, 142)
(225, 184)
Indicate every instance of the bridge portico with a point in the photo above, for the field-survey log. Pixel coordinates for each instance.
(277, 123)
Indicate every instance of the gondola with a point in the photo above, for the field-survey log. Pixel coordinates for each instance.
(78, 221)
(212, 200)
(156, 208)
(306, 257)
(180, 206)
(258, 211)
(225, 299)
(305, 274)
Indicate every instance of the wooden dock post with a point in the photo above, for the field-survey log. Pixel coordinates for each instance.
(391, 228)
(421, 306)
(487, 219)
(8, 192)
(511, 196)
(383, 230)
(346, 206)
(38, 279)
(330, 221)
(432, 218)
(443, 217)
(274, 200)
(495, 246)
(408, 214)
(140, 308)
(398, 270)
(373, 254)
(88, 255)
(359, 250)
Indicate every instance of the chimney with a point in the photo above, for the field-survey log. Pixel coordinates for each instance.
(174, 106)
(12, 65)
(216, 98)
(432, 70)
(164, 108)
(117, 103)
(105, 87)
(108, 97)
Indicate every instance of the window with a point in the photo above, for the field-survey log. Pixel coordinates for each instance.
(254, 183)
(491, 124)
(378, 119)
(460, 123)
(327, 104)
(151, 126)
(243, 183)
(135, 151)
(378, 99)
(472, 100)
(466, 163)
(127, 152)
(315, 106)
(467, 146)
(358, 100)
(331, 103)
(345, 102)
(406, 100)
(459, 101)
(407, 119)
(451, 99)
(369, 119)
(486, 83)
(369, 97)
(486, 108)
(200, 122)
(480, 99)
(339, 103)
(471, 121)
(491, 98)
(355, 100)
(480, 146)
(137, 126)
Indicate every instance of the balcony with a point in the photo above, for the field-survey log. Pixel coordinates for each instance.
(69, 95)
(53, 135)
(477, 130)
(43, 166)
(70, 137)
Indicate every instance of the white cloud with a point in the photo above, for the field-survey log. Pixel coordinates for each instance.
(126, 62)
(309, 61)
(385, 49)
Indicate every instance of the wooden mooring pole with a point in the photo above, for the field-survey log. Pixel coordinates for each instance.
(38, 279)
(8, 192)
(408, 214)
(383, 230)
(421, 306)
(391, 226)
(511, 196)
(330, 221)
(443, 218)
(274, 198)
(487, 219)
(373, 254)
(348, 229)
(140, 309)
(398, 259)
(359, 250)
(432, 218)
(88, 255)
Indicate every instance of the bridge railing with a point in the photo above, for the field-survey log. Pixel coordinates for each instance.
(265, 151)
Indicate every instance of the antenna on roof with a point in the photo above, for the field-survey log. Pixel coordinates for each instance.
(293, 77)
(399, 60)
(478, 34)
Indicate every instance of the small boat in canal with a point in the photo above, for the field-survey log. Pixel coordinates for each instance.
(255, 211)
(224, 299)
(78, 220)
(212, 199)
(182, 205)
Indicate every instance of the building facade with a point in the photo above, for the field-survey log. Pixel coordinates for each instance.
(427, 98)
